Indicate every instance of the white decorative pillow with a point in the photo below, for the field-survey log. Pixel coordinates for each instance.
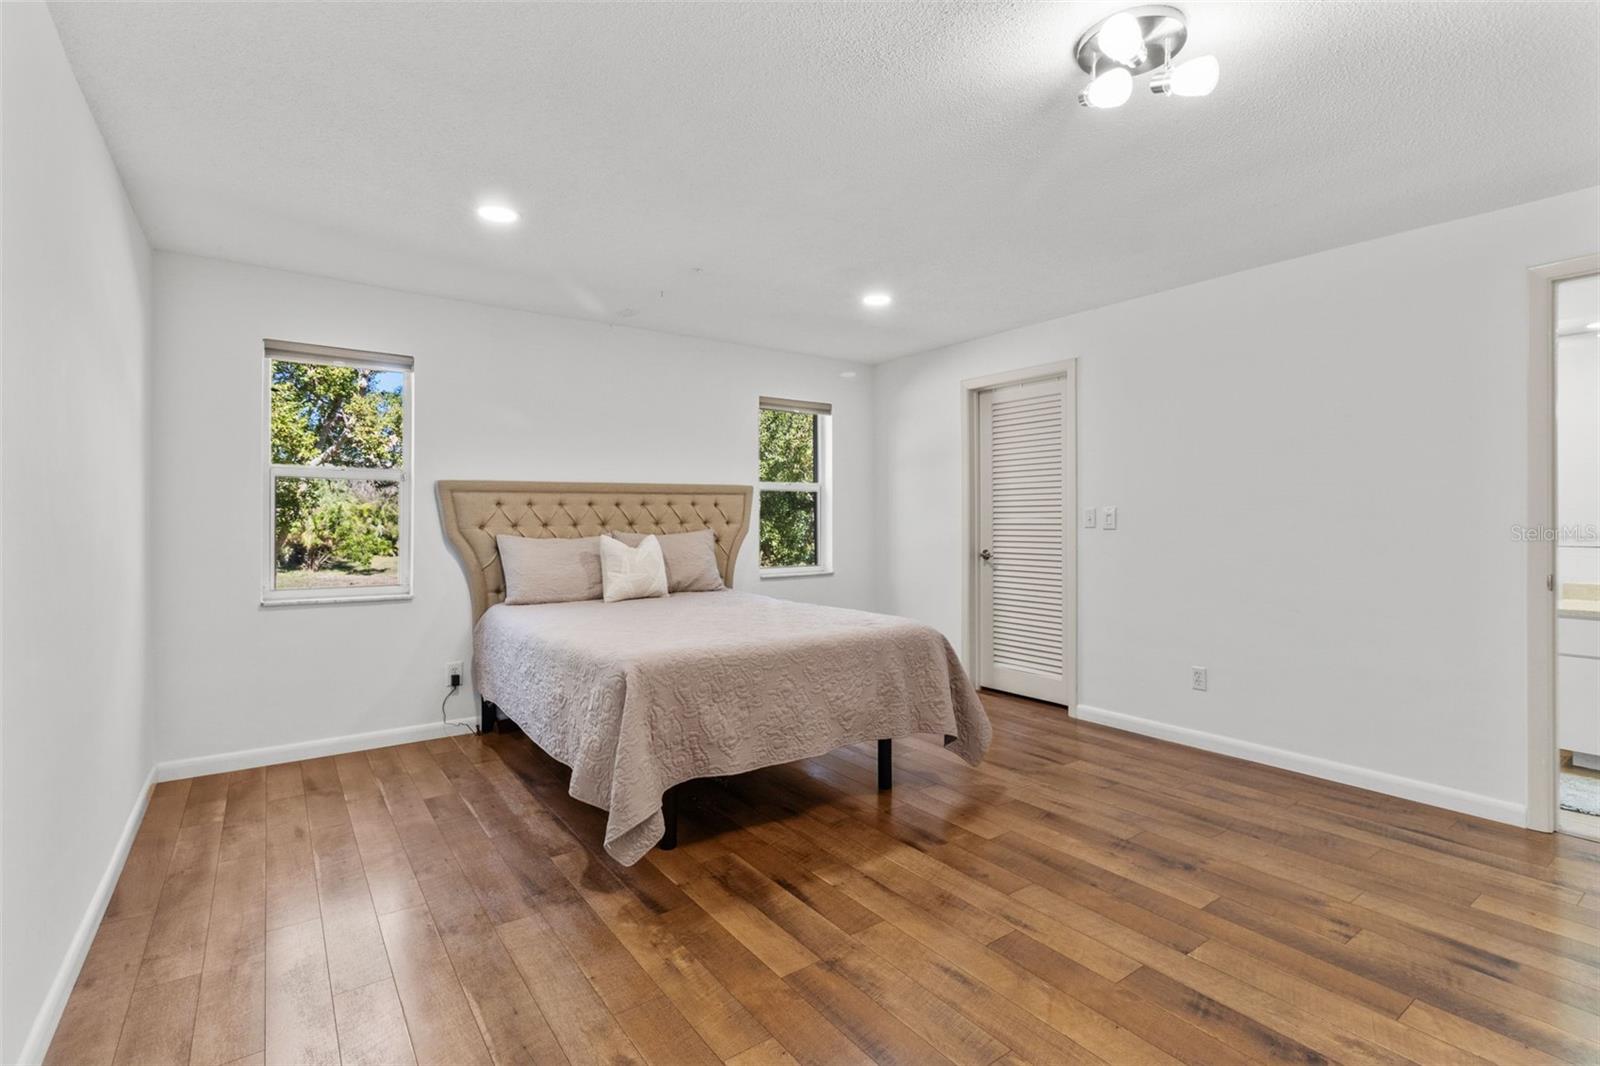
(691, 558)
(632, 573)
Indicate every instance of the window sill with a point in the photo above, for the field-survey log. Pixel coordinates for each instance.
(796, 571)
(328, 601)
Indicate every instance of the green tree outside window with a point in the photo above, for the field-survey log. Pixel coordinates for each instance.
(330, 532)
(788, 453)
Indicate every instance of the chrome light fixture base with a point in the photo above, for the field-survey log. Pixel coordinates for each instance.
(1164, 31)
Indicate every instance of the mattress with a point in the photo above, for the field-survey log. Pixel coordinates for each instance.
(641, 695)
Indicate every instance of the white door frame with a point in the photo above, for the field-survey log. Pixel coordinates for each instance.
(970, 388)
(1542, 757)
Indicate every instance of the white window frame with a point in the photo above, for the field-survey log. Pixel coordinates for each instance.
(289, 351)
(823, 487)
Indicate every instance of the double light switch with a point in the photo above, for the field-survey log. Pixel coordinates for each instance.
(1106, 517)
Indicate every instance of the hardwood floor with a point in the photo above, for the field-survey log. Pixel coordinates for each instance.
(1085, 896)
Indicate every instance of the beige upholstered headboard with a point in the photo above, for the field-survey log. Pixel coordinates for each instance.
(475, 512)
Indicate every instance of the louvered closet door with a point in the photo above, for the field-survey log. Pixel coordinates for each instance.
(1025, 538)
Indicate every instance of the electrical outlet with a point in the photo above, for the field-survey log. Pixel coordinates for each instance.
(1197, 675)
(1088, 517)
(453, 672)
(1109, 520)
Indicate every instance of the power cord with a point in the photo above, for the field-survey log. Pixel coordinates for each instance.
(455, 686)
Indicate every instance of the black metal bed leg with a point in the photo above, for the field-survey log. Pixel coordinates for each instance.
(487, 716)
(669, 813)
(885, 765)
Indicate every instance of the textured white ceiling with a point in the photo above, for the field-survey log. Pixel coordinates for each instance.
(745, 171)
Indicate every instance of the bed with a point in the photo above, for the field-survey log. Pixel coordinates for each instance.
(639, 696)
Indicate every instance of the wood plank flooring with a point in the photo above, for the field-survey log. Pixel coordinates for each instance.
(1086, 896)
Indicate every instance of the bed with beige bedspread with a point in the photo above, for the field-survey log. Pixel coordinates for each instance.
(642, 695)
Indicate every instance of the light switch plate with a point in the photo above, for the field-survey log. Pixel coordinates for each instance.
(1109, 518)
(1088, 517)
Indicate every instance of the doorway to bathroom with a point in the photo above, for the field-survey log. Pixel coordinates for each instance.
(1565, 671)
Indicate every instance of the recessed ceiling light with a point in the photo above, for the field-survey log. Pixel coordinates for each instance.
(877, 299)
(847, 373)
(499, 214)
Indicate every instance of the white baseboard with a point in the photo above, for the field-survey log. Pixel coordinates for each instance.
(55, 1001)
(1389, 784)
(249, 759)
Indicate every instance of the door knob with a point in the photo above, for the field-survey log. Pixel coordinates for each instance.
(986, 555)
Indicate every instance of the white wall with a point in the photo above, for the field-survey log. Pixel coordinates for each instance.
(499, 394)
(75, 338)
(1318, 464)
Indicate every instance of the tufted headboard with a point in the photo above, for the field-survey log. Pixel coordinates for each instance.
(475, 512)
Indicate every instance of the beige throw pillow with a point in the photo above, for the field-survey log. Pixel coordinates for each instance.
(691, 558)
(632, 573)
(550, 569)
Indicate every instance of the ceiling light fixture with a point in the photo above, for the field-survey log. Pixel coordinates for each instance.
(1141, 40)
(1594, 326)
(499, 214)
(877, 299)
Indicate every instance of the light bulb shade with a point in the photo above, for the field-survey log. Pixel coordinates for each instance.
(1197, 77)
(1110, 89)
(1142, 38)
(1121, 38)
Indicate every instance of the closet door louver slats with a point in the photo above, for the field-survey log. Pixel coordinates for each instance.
(1026, 537)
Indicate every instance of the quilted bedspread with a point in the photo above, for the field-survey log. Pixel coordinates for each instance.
(641, 695)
